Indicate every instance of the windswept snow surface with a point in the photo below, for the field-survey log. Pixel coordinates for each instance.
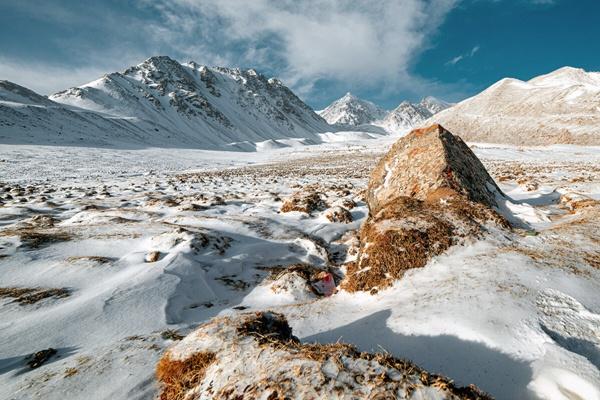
(516, 314)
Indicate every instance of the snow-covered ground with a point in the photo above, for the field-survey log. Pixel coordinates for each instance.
(518, 314)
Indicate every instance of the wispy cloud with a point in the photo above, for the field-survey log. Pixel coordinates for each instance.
(46, 78)
(362, 44)
(460, 57)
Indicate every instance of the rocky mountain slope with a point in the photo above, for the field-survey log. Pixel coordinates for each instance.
(560, 107)
(167, 104)
(351, 111)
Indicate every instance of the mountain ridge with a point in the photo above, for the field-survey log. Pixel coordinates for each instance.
(351, 111)
(561, 107)
(163, 103)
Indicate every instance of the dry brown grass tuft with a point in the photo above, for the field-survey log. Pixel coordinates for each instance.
(339, 214)
(171, 334)
(593, 259)
(34, 239)
(306, 202)
(180, 376)
(407, 233)
(25, 296)
(96, 259)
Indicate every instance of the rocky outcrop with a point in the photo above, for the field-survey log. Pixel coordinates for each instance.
(255, 356)
(428, 193)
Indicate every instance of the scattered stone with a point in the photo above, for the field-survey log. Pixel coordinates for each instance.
(306, 202)
(339, 214)
(39, 358)
(153, 256)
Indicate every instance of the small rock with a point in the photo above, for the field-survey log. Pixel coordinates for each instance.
(153, 256)
(39, 358)
(339, 214)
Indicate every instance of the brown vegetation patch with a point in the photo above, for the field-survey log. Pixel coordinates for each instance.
(408, 233)
(272, 333)
(34, 239)
(171, 334)
(593, 259)
(339, 214)
(25, 296)
(306, 202)
(237, 284)
(95, 259)
(179, 376)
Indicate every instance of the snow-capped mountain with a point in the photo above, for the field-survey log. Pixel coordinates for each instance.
(163, 103)
(433, 105)
(30, 118)
(352, 111)
(560, 107)
(209, 107)
(404, 117)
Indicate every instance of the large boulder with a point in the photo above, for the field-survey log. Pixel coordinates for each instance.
(255, 356)
(428, 193)
(430, 164)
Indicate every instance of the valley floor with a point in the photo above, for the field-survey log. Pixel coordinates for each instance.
(108, 255)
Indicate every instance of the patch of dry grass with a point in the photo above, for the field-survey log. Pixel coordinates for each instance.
(34, 239)
(407, 233)
(306, 202)
(95, 259)
(26, 296)
(180, 376)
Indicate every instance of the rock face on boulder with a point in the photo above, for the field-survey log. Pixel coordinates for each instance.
(428, 193)
(429, 164)
(255, 356)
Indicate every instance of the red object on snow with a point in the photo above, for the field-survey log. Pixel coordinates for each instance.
(324, 284)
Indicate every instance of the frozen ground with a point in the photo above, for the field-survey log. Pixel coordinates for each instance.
(517, 315)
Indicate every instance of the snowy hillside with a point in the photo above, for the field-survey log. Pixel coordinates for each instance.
(560, 107)
(197, 104)
(350, 111)
(162, 103)
(29, 118)
(404, 117)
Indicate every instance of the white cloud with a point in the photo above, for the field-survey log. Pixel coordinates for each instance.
(46, 79)
(460, 57)
(361, 43)
(354, 43)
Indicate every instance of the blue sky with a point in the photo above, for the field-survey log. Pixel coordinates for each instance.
(382, 50)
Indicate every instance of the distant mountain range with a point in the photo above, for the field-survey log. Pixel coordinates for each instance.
(560, 107)
(163, 103)
(352, 112)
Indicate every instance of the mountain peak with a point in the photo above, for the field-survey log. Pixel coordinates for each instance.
(567, 76)
(351, 110)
